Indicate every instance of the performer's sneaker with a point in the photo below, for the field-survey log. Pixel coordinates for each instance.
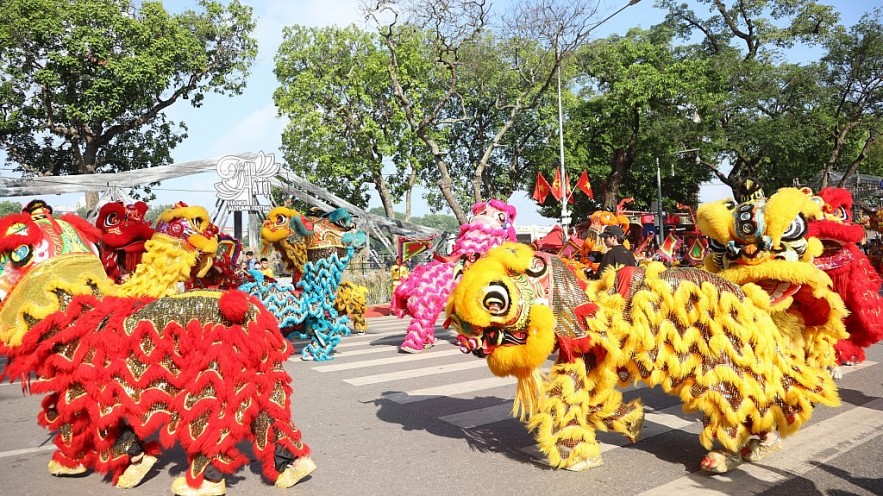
(719, 462)
(295, 472)
(208, 488)
(585, 464)
(135, 472)
(60, 470)
(410, 349)
(836, 372)
(756, 450)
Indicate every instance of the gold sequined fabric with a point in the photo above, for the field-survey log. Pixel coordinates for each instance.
(567, 294)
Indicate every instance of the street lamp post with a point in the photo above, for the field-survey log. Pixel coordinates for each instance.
(565, 214)
(661, 234)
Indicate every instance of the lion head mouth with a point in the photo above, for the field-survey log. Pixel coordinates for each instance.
(778, 290)
(831, 248)
(488, 340)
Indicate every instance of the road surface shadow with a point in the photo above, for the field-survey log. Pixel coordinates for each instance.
(415, 413)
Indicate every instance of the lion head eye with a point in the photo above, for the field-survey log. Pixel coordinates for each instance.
(795, 230)
(281, 220)
(496, 299)
(842, 214)
(21, 255)
(111, 220)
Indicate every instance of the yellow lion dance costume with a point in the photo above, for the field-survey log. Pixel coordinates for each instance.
(704, 339)
(763, 241)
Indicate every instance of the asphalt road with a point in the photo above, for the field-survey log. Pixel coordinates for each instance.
(384, 423)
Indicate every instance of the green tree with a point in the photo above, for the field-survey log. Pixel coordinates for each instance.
(543, 35)
(754, 116)
(852, 75)
(155, 211)
(84, 84)
(343, 128)
(9, 207)
(635, 106)
(439, 221)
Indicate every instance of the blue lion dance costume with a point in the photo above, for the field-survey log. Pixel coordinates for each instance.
(306, 309)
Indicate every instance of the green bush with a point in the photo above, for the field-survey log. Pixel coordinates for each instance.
(378, 282)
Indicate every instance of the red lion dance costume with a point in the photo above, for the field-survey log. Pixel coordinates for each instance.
(203, 368)
(124, 230)
(425, 291)
(855, 280)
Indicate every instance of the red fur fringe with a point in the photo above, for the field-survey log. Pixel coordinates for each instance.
(216, 376)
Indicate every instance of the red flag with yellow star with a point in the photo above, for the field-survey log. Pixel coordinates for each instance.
(585, 186)
(556, 185)
(542, 189)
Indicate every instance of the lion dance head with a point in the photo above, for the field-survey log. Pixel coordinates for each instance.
(39, 252)
(763, 241)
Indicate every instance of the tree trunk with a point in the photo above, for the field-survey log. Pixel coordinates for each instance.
(88, 166)
(383, 193)
(622, 160)
(412, 179)
(445, 184)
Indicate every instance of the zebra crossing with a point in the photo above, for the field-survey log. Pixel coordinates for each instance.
(372, 360)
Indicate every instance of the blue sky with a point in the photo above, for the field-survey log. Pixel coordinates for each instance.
(248, 123)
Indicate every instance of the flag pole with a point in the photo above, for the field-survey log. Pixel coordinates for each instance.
(565, 215)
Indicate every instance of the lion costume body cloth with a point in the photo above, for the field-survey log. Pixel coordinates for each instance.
(276, 232)
(307, 309)
(763, 241)
(710, 342)
(203, 369)
(854, 278)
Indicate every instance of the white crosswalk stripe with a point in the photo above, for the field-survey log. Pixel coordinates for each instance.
(811, 444)
(422, 372)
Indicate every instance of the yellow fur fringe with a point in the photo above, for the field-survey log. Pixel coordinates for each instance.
(166, 262)
(719, 351)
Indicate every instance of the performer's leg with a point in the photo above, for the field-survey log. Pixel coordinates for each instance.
(140, 462)
(570, 412)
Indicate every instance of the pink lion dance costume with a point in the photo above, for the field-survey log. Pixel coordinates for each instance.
(424, 293)
(855, 280)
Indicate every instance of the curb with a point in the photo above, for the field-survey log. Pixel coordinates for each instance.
(378, 311)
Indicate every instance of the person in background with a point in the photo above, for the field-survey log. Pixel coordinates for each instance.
(398, 272)
(242, 268)
(265, 268)
(249, 259)
(616, 254)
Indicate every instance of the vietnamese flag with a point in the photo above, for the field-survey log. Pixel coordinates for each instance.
(542, 189)
(556, 186)
(585, 186)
